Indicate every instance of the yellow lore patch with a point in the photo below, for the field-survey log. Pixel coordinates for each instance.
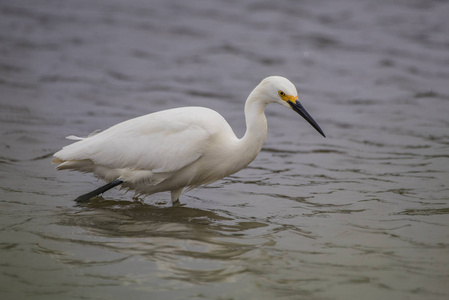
(287, 98)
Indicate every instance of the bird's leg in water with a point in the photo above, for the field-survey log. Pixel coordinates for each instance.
(100, 190)
(175, 196)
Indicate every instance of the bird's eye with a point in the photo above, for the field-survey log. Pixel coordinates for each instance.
(281, 93)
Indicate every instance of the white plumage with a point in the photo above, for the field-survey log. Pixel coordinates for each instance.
(177, 148)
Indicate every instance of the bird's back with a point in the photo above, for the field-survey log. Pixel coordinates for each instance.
(164, 141)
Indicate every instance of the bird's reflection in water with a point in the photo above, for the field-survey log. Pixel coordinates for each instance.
(185, 243)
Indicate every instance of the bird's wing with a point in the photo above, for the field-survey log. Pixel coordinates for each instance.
(165, 141)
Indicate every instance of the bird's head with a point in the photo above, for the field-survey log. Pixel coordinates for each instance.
(280, 90)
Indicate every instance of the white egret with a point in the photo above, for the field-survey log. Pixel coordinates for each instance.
(177, 148)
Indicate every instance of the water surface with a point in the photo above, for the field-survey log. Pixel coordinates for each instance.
(362, 213)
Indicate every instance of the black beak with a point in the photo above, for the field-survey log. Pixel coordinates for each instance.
(297, 106)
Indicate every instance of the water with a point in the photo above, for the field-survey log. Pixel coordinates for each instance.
(362, 213)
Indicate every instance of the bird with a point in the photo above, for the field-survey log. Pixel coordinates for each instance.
(177, 149)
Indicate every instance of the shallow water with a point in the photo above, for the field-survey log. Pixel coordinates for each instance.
(362, 213)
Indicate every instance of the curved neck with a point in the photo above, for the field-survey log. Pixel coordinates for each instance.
(256, 127)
